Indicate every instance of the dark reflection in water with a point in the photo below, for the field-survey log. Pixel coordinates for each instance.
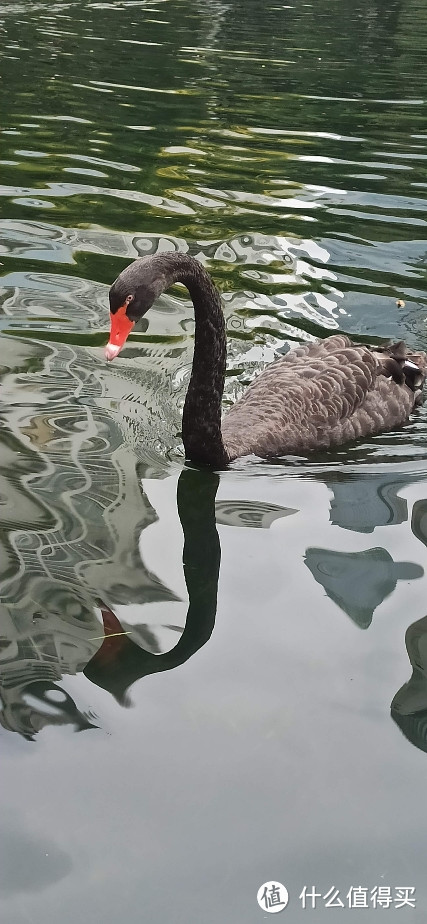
(409, 706)
(56, 640)
(359, 581)
(119, 661)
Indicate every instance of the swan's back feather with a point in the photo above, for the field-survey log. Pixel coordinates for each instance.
(324, 394)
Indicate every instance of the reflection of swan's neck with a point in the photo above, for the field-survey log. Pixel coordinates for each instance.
(119, 661)
(202, 552)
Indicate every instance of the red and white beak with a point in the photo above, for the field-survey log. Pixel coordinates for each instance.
(120, 328)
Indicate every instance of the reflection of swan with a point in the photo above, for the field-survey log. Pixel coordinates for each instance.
(67, 539)
(30, 691)
(409, 706)
(316, 396)
(359, 581)
(119, 661)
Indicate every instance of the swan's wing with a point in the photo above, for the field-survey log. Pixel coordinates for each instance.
(318, 395)
(321, 382)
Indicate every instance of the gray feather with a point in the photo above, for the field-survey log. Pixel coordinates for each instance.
(322, 395)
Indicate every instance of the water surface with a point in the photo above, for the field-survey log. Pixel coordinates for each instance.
(243, 654)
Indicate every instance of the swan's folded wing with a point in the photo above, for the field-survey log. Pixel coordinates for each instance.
(304, 401)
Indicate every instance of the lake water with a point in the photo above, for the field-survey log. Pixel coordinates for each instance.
(268, 718)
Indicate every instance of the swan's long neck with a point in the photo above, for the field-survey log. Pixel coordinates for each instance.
(145, 279)
(201, 420)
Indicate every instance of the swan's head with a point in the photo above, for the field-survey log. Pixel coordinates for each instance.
(131, 296)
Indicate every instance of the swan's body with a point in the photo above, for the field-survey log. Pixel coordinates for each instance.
(320, 395)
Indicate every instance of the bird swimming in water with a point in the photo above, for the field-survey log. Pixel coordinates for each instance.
(318, 396)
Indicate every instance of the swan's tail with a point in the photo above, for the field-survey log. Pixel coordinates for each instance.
(403, 366)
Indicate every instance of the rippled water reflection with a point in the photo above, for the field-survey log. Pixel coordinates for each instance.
(284, 146)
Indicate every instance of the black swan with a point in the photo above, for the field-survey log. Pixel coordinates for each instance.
(317, 396)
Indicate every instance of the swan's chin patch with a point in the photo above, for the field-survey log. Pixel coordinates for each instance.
(111, 351)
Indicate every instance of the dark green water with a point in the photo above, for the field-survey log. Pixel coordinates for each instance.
(282, 732)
